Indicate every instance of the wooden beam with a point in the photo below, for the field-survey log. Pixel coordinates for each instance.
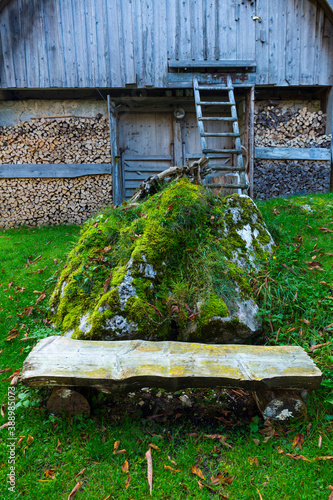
(225, 64)
(129, 365)
(251, 139)
(117, 191)
(277, 153)
(184, 80)
(48, 170)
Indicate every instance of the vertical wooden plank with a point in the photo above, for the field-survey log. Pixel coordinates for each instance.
(178, 53)
(186, 31)
(31, 42)
(127, 40)
(19, 53)
(277, 54)
(116, 66)
(210, 30)
(9, 41)
(148, 41)
(294, 9)
(246, 41)
(262, 35)
(43, 67)
(318, 43)
(116, 181)
(251, 140)
(178, 143)
(171, 10)
(90, 22)
(199, 49)
(54, 44)
(307, 35)
(204, 29)
(103, 33)
(160, 44)
(274, 33)
(79, 40)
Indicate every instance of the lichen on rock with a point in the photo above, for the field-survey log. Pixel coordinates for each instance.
(173, 267)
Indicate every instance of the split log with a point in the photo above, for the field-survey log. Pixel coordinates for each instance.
(133, 364)
(66, 400)
(280, 404)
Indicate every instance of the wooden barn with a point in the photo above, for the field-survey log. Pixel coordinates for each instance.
(172, 80)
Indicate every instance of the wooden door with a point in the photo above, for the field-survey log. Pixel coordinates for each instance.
(145, 146)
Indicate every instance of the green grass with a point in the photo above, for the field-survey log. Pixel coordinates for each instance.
(297, 308)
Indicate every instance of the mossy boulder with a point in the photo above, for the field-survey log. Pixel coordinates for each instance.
(173, 267)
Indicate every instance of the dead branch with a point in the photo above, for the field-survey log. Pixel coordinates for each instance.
(195, 172)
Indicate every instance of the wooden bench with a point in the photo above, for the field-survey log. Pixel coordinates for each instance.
(274, 374)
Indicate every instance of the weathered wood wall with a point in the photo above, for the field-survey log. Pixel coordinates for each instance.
(113, 43)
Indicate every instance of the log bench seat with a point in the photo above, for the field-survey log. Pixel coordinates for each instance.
(274, 374)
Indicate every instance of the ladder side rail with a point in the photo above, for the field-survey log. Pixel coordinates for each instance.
(199, 113)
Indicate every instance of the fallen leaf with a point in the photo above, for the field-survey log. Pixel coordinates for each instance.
(3, 409)
(323, 458)
(40, 298)
(59, 449)
(149, 470)
(297, 457)
(197, 471)
(81, 472)
(74, 490)
(30, 440)
(125, 467)
(108, 497)
(320, 440)
(280, 450)
(6, 370)
(183, 486)
(128, 480)
(260, 497)
(167, 467)
(152, 445)
(50, 473)
(12, 334)
(115, 448)
(7, 424)
(318, 346)
(298, 440)
(253, 460)
(20, 440)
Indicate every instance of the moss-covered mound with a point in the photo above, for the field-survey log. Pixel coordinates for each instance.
(170, 268)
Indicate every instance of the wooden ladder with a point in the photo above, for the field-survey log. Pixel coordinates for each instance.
(230, 104)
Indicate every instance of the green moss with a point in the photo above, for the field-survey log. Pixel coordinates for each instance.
(214, 306)
(186, 236)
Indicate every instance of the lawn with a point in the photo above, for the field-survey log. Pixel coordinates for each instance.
(203, 444)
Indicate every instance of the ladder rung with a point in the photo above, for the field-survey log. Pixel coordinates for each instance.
(234, 151)
(220, 134)
(227, 169)
(215, 103)
(214, 87)
(219, 118)
(228, 186)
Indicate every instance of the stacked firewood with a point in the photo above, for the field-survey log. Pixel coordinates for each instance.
(61, 139)
(36, 202)
(275, 126)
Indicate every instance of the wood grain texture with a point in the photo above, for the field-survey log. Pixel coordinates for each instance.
(127, 365)
(113, 43)
(277, 153)
(40, 170)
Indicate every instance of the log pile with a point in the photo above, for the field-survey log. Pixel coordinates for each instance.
(279, 178)
(275, 126)
(279, 126)
(56, 140)
(37, 202)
